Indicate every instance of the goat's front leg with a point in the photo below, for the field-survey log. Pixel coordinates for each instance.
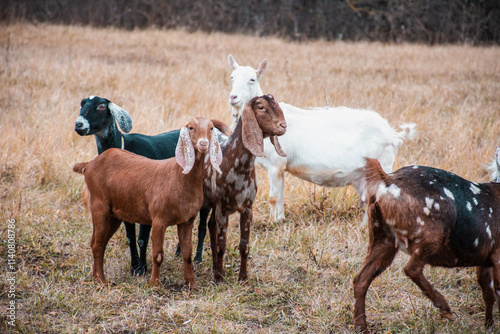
(246, 218)
(276, 177)
(132, 243)
(414, 270)
(218, 228)
(142, 241)
(484, 278)
(157, 237)
(202, 232)
(185, 234)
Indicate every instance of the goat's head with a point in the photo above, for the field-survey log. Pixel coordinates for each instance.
(245, 82)
(97, 114)
(262, 117)
(199, 134)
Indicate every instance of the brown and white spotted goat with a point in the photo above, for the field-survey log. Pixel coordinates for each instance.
(123, 186)
(235, 188)
(438, 218)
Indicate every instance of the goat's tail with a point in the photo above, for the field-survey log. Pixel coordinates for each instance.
(374, 175)
(409, 131)
(79, 167)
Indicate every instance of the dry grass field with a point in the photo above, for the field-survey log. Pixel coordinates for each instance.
(300, 270)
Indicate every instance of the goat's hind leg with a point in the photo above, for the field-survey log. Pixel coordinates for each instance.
(380, 254)
(202, 232)
(414, 270)
(185, 234)
(276, 192)
(484, 278)
(104, 228)
(245, 225)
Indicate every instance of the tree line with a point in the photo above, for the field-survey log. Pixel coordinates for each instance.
(421, 21)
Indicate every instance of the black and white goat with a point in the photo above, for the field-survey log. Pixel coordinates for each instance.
(438, 218)
(97, 117)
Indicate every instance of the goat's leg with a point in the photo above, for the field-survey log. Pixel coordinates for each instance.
(414, 270)
(380, 256)
(246, 218)
(276, 192)
(104, 228)
(157, 237)
(185, 234)
(132, 243)
(142, 241)
(212, 229)
(220, 246)
(485, 281)
(202, 232)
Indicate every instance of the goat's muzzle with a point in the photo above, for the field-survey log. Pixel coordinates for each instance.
(203, 145)
(281, 128)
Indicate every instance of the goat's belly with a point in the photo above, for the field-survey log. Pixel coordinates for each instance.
(326, 178)
(450, 259)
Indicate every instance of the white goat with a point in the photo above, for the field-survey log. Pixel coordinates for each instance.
(326, 146)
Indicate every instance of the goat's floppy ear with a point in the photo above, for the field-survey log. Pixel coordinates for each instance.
(184, 152)
(252, 135)
(215, 151)
(232, 62)
(122, 117)
(277, 146)
(262, 68)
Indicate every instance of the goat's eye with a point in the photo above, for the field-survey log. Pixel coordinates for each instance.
(211, 128)
(191, 128)
(101, 107)
(252, 80)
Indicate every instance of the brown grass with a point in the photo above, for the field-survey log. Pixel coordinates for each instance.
(301, 270)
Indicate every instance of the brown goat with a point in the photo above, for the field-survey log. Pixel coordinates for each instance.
(438, 218)
(123, 186)
(235, 188)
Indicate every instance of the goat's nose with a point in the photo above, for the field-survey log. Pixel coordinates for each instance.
(78, 125)
(203, 142)
(233, 97)
(282, 124)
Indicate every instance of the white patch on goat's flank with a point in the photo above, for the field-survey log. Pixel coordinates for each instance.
(420, 221)
(431, 183)
(436, 206)
(475, 201)
(469, 206)
(427, 211)
(231, 177)
(429, 202)
(419, 232)
(476, 242)
(475, 189)
(488, 231)
(448, 193)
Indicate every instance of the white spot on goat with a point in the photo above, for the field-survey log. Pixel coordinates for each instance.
(429, 202)
(469, 206)
(475, 189)
(436, 206)
(420, 221)
(427, 211)
(91, 97)
(393, 189)
(488, 231)
(476, 242)
(448, 193)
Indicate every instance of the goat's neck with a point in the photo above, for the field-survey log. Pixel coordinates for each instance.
(234, 150)
(108, 138)
(195, 176)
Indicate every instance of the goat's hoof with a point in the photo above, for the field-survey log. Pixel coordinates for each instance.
(197, 259)
(447, 315)
(139, 270)
(489, 323)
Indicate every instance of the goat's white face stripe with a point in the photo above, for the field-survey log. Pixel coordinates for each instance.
(91, 97)
(84, 121)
